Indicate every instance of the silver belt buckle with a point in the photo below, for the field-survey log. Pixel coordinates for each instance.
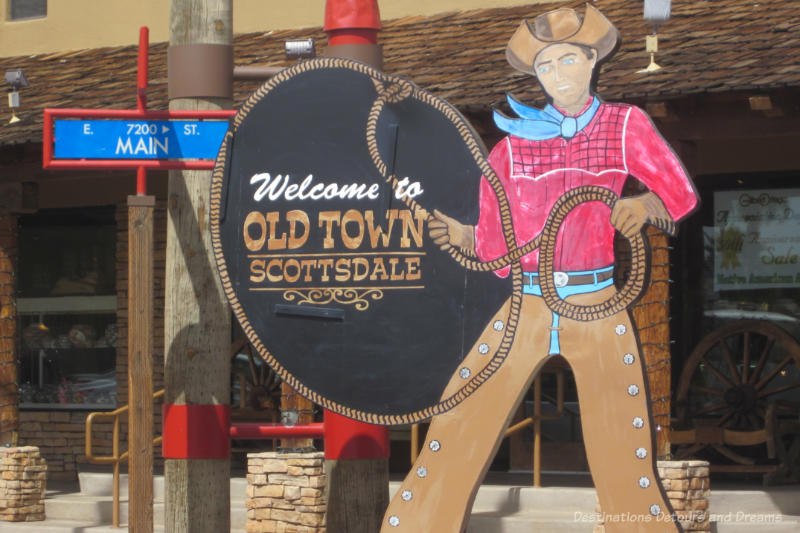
(560, 279)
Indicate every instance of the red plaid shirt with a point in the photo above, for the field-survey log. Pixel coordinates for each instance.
(619, 141)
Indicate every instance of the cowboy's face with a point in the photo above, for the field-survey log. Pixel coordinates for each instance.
(565, 73)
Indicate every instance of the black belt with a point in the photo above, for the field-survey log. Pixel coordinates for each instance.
(563, 279)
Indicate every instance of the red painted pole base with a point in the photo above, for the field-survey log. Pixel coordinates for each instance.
(346, 438)
(196, 431)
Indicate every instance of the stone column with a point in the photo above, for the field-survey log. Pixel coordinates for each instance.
(285, 492)
(22, 484)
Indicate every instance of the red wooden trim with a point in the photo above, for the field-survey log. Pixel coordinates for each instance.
(196, 431)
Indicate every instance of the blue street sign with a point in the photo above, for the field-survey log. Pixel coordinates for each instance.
(138, 139)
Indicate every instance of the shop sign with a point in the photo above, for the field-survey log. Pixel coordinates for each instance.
(756, 239)
(319, 224)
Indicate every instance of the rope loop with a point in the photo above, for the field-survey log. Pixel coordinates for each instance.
(393, 90)
(620, 300)
(546, 241)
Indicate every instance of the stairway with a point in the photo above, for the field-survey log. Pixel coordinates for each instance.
(498, 508)
(89, 509)
(516, 509)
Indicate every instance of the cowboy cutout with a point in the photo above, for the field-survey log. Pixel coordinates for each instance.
(577, 140)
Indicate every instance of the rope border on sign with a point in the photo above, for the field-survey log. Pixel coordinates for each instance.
(392, 89)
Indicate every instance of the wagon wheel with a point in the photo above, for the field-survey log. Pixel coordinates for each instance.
(733, 376)
(259, 387)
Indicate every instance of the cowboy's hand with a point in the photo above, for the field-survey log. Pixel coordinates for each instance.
(630, 214)
(446, 232)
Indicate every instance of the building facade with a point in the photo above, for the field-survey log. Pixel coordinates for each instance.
(725, 99)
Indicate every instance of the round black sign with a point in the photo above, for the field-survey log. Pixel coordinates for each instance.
(319, 206)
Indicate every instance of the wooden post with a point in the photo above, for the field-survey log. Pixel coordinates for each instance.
(292, 401)
(357, 466)
(140, 362)
(9, 392)
(197, 317)
(651, 315)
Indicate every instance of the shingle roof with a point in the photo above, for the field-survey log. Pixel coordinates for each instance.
(707, 46)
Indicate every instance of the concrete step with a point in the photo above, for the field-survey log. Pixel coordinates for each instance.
(72, 526)
(754, 523)
(508, 509)
(502, 499)
(528, 521)
(781, 500)
(497, 509)
(775, 509)
(93, 505)
(98, 510)
(101, 484)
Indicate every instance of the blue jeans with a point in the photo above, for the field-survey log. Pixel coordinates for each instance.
(530, 287)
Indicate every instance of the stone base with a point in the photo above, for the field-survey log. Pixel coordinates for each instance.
(285, 493)
(23, 475)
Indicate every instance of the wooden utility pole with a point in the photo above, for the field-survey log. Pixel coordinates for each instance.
(197, 329)
(356, 454)
(9, 393)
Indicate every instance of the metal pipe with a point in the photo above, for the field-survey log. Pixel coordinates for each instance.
(253, 430)
(254, 72)
(115, 488)
(141, 82)
(132, 164)
(218, 114)
(141, 98)
(141, 181)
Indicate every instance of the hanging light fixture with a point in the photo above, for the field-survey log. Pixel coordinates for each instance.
(41, 325)
(15, 78)
(656, 12)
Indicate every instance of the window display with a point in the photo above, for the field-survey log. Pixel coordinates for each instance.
(736, 318)
(751, 256)
(67, 309)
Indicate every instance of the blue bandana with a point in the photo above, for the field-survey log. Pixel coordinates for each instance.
(541, 124)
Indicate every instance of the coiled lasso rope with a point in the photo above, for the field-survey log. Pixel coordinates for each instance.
(392, 90)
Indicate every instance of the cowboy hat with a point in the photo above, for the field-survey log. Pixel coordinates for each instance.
(562, 25)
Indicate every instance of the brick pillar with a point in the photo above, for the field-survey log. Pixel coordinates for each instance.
(9, 392)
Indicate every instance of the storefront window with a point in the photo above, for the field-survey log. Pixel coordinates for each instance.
(736, 308)
(752, 257)
(67, 308)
